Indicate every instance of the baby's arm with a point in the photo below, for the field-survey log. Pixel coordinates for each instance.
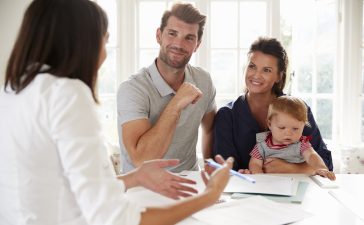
(315, 161)
(256, 165)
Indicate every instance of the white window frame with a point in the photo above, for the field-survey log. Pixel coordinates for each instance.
(127, 25)
(347, 107)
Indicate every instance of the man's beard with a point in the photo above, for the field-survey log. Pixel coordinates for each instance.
(172, 63)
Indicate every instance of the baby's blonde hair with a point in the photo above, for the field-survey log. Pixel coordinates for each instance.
(292, 106)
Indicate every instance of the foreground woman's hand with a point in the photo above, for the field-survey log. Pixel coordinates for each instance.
(220, 177)
(152, 175)
(181, 209)
(209, 169)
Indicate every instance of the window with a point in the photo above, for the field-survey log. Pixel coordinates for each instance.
(311, 44)
(230, 39)
(108, 81)
(325, 63)
(349, 95)
(362, 71)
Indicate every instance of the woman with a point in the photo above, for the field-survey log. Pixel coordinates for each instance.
(54, 164)
(237, 124)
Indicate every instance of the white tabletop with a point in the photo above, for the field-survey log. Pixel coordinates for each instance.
(324, 207)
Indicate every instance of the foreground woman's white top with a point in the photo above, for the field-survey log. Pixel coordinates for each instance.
(54, 167)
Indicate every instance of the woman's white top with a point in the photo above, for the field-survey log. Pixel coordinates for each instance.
(54, 167)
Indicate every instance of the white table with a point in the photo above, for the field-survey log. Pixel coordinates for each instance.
(318, 201)
(325, 208)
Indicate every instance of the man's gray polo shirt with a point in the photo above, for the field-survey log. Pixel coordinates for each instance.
(145, 95)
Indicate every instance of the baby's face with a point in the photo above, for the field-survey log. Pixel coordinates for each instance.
(285, 129)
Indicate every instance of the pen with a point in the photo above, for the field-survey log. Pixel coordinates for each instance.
(214, 164)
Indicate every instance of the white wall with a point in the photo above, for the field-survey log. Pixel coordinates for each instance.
(11, 15)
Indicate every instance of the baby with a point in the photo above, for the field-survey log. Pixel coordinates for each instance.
(287, 116)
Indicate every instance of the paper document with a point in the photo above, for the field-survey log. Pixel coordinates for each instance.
(253, 211)
(324, 182)
(265, 184)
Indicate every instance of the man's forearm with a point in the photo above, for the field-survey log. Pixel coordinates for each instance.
(154, 143)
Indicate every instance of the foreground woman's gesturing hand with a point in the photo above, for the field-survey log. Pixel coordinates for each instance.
(215, 184)
(220, 177)
(153, 176)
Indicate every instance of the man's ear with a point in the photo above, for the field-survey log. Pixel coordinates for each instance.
(159, 36)
(198, 45)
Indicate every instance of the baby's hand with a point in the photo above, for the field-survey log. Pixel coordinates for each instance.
(325, 173)
(244, 171)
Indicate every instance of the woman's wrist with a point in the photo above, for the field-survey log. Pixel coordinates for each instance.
(130, 179)
(212, 195)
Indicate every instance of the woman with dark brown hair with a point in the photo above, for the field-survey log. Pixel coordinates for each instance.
(237, 123)
(54, 164)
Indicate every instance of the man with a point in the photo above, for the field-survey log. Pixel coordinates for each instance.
(161, 107)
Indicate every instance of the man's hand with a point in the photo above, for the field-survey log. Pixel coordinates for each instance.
(152, 175)
(186, 94)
